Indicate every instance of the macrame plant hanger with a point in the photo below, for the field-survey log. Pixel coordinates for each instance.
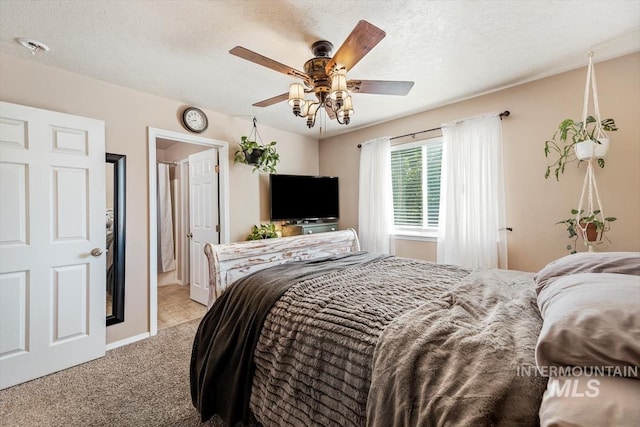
(254, 135)
(589, 197)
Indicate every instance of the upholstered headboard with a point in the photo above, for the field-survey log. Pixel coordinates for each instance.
(232, 261)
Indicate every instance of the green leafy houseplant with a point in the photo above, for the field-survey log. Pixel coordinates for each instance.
(264, 158)
(570, 133)
(596, 228)
(264, 231)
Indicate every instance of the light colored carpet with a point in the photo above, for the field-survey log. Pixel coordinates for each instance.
(142, 384)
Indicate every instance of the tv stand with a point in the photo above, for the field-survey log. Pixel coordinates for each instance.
(308, 228)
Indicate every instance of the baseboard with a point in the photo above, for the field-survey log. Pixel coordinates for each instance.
(127, 341)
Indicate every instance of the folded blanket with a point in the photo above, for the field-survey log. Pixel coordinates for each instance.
(222, 364)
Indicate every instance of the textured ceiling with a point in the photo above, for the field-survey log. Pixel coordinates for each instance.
(453, 50)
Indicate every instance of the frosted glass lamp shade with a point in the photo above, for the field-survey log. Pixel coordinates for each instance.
(339, 86)
(296, 94)
(347, 108)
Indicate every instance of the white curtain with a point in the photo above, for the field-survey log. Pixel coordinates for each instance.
(375, 199)
(472, 230)
(166, 256)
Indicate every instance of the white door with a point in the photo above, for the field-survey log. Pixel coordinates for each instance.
(203, 219)
(52, 218)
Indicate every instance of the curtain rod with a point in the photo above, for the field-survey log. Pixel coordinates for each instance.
(505, 113)
(166, 163)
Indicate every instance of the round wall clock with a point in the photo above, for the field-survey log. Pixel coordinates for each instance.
(194, 120)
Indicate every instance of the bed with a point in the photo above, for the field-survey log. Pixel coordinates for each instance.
(309, 330)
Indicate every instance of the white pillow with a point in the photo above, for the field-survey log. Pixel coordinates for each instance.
(592, 320)
(591, 402)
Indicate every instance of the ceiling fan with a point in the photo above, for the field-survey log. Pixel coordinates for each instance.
(325, 76)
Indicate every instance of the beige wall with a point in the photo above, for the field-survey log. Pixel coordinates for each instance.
(533, 203)
(127, 114)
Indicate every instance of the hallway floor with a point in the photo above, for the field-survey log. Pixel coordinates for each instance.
(175, 306)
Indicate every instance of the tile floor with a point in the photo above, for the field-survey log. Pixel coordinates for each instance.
(175, 306)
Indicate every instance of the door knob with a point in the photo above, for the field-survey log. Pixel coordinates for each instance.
(189, 235)
(96, 251)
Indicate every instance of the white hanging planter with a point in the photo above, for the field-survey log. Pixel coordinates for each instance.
(590, 149)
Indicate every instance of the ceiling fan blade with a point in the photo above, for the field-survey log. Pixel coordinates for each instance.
(380, 87)
(271, 101)
(330, 113)
(363, 38)
(266, 62)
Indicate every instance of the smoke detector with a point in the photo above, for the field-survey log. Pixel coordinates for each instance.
(33, 45)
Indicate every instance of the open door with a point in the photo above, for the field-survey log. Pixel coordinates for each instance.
(203, 219)
(52, 242)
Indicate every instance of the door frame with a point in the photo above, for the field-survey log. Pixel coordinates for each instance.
(223, 204)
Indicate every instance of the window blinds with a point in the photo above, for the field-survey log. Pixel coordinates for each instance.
(415, 176)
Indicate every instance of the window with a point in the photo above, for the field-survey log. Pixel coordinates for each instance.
(415, 177)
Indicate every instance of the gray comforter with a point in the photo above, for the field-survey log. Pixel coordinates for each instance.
(386, 341)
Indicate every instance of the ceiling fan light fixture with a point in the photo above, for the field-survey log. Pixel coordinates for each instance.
(296, 97)
(312, 111)
(325, 76)
(346, 111)
(339, 87)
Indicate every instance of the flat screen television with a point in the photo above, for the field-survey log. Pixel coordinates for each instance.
(302, 197)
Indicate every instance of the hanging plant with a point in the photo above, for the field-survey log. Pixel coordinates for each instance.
(577, 141)
(586, 140)
(583, 140)
(263, 157)
(590, 227)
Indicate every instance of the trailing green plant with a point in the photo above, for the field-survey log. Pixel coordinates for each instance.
(264, 158)
(264, 231)
(570, 133)
(572, 223)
